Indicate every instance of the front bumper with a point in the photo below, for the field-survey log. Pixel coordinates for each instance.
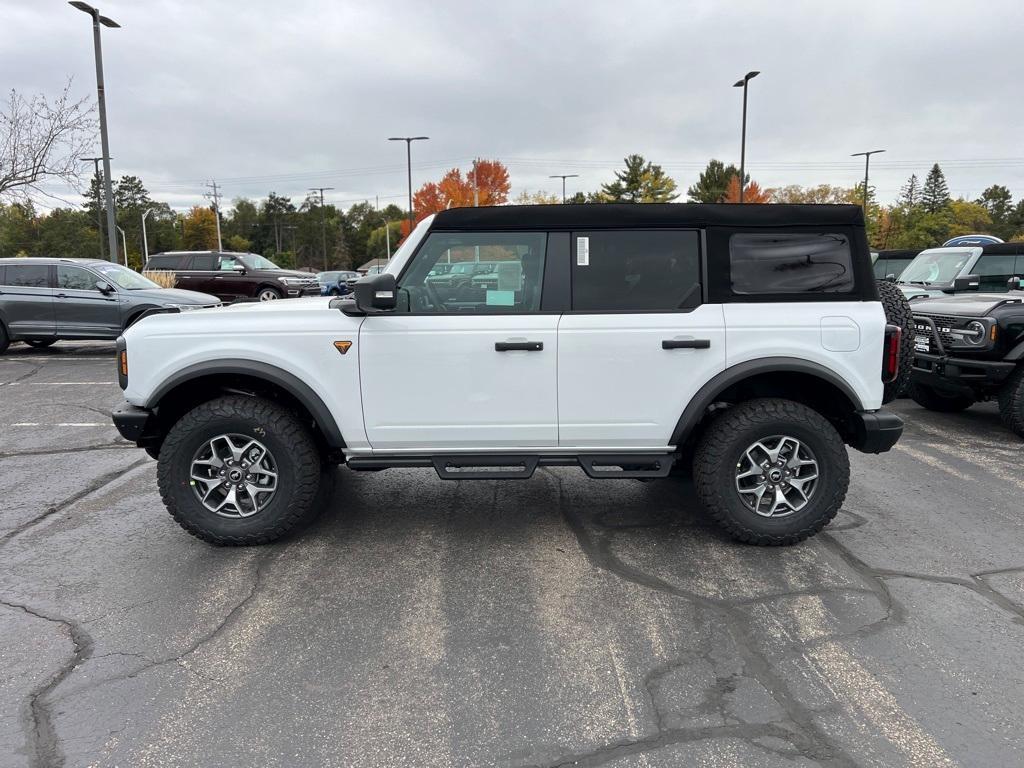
(874, 431)
(136, 425)
(296, 291)
(958, 374)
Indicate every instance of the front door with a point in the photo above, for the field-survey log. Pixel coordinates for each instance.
(80, 309)
(464, 367)
(27, 300)
(639, 342)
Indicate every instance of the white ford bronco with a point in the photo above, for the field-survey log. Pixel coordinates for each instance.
(746, 342)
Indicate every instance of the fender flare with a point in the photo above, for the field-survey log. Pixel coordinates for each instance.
(270, 373)
(711, 390)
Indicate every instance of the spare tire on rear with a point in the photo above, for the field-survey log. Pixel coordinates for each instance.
(898, 312)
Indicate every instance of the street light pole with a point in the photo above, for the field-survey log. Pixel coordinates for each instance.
(408, 159)
(145, 240)
(99, 199)
(323, 221)
(743, 140)
(124, 244)
(97, 19)
(563, 177)
(867, 162)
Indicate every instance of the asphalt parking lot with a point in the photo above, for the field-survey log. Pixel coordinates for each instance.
(559, 621)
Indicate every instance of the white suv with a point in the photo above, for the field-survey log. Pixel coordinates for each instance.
(633, 341)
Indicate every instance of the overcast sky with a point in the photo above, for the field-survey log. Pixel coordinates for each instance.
(287, 95)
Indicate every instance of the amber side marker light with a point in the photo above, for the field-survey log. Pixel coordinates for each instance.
(123, 363)
(342, 346)
(992, 333)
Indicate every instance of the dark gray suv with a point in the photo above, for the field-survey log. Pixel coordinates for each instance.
(46, 300)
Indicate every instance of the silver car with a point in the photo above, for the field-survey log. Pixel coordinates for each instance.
(45, 300)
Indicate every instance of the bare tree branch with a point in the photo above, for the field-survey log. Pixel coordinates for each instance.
(43, 140)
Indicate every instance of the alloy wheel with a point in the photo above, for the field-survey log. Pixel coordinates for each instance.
(234, 475)
(776, 476)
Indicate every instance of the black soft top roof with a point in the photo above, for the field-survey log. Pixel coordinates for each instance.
(1004, 249)
(603, 216)
(899, 253)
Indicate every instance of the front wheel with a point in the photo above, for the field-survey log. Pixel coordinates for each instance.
(5, 340)
(937, 400)
(268, 294)
(40, 343)
(1011, 402)
(771, 472)
(239, 470)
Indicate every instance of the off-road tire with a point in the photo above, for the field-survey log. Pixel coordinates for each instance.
(5, 340)
(40, 343)
(731, 433)
(941, 402)
(1011, 402)
(287, 438)
(898, 312)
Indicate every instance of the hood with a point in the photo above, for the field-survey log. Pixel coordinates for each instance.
(973, 305)
(919, 291)
(282, 305)
(174, 296)
(287, 273)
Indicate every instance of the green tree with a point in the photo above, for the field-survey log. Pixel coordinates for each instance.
(65, 232)
(822, 193)
(910, 193)
(968, 218)
(999, 203)
(200, 229)
(17, 228)
(713, 183)
(526, 197)
(237, 243)
(377, 243)
(935, 194)
(640, 182)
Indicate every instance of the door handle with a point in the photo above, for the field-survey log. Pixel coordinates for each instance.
(62, 296)
(514, 346)
(685, 343)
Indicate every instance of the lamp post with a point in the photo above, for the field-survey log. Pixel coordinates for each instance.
(97, 19)
(408, 159)
(743, 140)
(867, 162)
(124, 245)
(145, 240)
(563, 177)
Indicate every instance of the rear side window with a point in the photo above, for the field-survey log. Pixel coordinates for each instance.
(27, 276)
(203, 262)
(790, 263)
(635, 270)
(163, 262)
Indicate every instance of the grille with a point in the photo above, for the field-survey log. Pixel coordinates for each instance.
(941, 321)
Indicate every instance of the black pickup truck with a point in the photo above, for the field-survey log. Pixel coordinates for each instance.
(969, 348)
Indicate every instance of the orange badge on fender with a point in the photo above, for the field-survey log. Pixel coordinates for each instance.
(342, 346)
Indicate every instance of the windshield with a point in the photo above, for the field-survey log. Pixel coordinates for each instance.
(255, 261)
(329, 277)
(125, 278)
(936, 267)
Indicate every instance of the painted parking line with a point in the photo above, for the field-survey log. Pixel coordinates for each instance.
(54, 383)
(63, 424)
(27, 359)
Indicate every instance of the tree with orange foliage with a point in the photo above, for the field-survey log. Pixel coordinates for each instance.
(752, 193)
(457, 191)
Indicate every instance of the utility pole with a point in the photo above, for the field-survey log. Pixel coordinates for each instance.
(323, 221)
(215, 196)
(743, 140)
(563, 177)
(867, 162)
(97, 19)
(408, 158)
(99, 199)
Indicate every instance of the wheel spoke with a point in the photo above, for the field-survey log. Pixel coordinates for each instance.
(776, 475)
(234, 475)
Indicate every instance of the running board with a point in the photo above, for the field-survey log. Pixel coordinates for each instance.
(482, 466)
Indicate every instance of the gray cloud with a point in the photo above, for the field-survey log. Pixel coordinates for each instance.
(283, 96)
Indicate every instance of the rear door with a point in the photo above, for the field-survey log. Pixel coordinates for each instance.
(639, 340)
(80, 309)
(198, 274)
(28, 300)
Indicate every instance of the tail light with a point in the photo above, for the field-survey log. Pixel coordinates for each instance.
(891, 353)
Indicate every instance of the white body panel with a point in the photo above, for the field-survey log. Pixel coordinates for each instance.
(821, 332)
(618, 387)
(436, 383)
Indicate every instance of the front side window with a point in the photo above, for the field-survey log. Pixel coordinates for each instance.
(75, 278)
(635, 270)
(480, 272)
(994, 271)
(27, 276)
(228, 263)
(790, 263)
(255, 261)
(125, 278)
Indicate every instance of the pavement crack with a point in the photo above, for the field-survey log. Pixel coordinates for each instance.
(61, 451)
(91, 488)
(43, 744)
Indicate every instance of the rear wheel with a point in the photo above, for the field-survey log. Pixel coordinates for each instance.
(898, 312)
(239, 470)
(40, 343)
(268, 294)
(937, 400)
(771, 472)
(1011, 402)
(5, 340)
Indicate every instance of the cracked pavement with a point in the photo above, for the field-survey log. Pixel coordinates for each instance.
(555, 622)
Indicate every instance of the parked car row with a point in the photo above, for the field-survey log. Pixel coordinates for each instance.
(233, 276)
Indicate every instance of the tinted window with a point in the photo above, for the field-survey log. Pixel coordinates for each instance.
(881, 268)
(994, 271)
(226, 263)
(75, 278)
(498, 272)
(27, 275)
(792, 263)
(635, 270)
(163, 262)
(203, 262)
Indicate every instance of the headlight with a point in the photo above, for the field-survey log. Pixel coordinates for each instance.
(183, 307)
(975, 333)
(292, 280)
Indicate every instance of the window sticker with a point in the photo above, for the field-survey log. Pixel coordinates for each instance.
(582, 251)
(501, 298)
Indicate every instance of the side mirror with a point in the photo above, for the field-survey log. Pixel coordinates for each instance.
(376, 294)
(1014, 284)
(891, 277)
(239, 269)
(966, 283)
(104, 287)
